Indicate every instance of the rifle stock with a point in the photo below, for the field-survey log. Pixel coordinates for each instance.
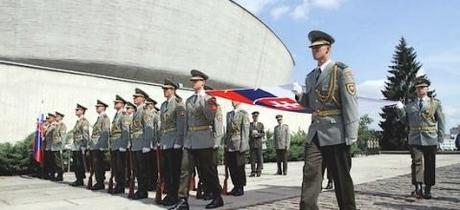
(131, 172)
(90, 178)
(112, 164)
(225, 187)
(159, 190)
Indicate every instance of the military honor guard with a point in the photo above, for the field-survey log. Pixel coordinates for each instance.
(330, 95)
(172, 132)
(141, 142)
(119, 138)
(282, 142)
(57, 146)
(236, 145)
(426, 123)
(99, 143)
(81, 138)
(199, 143)
(49, 138)
(256, 138)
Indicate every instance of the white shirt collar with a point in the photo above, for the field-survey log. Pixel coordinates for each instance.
(102, 113)
(202, 92)
(425, 98)
(323, 66)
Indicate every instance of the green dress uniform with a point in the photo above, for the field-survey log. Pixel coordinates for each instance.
(81, 137)
(330, 95)
(141, 139)
(151, 128)
(56, 149)
(282, 141)
(120, 133)
(97, 145)
(236, 145)
(426, 123)
(256, 136)
(172, 132)
(49, 156)
(199, 146)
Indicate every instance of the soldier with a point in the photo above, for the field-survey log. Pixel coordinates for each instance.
(49, 135)
(236, 145)
(81, 138)
(130, 110)
(172, 133)
(426, 123)
(256, 137)
(57, 146)
(330, 95)
(141, 141)
(199, 143)
(99, 143)
(282, 141)
(152, 126)
(119, 138)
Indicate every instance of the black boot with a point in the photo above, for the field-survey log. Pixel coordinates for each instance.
(119, 189)
(215, 203)
(140, 195)
(258, 174)
(427, 194)
(418, 191)
(98, 186)
(252, 174)
(329, 185)
(208, 196)
(181, 205)
(58, 178)
(169, 200)
(76, 183)
(239, 191)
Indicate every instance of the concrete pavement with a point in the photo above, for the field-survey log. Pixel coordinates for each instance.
(22, 192)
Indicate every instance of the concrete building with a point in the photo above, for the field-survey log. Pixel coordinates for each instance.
(54, 54)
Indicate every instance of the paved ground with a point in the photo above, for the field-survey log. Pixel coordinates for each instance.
(391, 193)
(369, 173)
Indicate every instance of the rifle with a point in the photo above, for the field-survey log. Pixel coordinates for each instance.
(225, 187)
(112, 164)
(90, 178)
(131, 172)
(192, 183)
(159, 190)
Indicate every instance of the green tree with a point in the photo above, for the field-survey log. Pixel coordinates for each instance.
(400, 86)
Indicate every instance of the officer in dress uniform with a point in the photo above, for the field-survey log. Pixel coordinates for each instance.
(49, 135)
(199, 143)
(256, 137)
(57, 146)
(141, 141)
(236, 145)
(426, 123)
(330, 95)
(172, 131)
(119, 138)
(99, 142)
(282, 142)
(81, 138)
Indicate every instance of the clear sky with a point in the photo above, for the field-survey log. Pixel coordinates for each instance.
(366, 33)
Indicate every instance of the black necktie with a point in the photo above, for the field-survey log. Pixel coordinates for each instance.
(196, 97)
(318, 73)
(420, 104)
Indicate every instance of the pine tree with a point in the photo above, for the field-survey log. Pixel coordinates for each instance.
(399, 87)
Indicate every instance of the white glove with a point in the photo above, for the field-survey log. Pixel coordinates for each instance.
(67, 146)
(145, 149)
(400, 105)
(122, 149)
(296, 89)
(177, 146)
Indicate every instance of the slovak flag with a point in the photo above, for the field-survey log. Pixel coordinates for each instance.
(280, 98)
(38, 141)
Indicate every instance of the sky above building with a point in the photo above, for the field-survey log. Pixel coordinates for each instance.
(366, 33)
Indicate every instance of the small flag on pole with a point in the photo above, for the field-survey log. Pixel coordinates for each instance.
(38, 141)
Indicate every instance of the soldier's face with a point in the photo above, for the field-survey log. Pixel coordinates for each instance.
(78, 112)
(130, 111)
(255, 117)
(197, 84)
(118, 105)
(320, 52)
(138, 100)
(422, 91)
(168, 92)
(280, 120)
(58, 118)
(99, 109)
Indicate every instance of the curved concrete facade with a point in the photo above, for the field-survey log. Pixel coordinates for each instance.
(145, 40)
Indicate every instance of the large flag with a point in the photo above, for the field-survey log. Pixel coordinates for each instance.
(38, 141)
(282, 98)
